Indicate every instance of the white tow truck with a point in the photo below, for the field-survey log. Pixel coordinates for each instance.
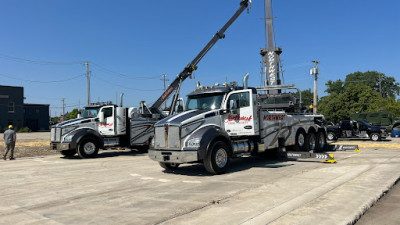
(101, 126)
(226, 121)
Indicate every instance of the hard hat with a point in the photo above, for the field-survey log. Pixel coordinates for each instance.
(10, 127)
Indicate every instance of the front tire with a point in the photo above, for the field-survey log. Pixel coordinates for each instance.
(375, 137)
(68, 153)
(88, 148)
(169, 166)
(218, 158)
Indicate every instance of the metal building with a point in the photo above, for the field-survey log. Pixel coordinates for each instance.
(36, 117)
(11, 106)
(14, 112)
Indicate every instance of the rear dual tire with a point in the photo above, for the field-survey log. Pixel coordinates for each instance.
(310, 142)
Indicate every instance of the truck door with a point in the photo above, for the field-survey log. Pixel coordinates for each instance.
(107, 127)
(347, 128)
(241, 118)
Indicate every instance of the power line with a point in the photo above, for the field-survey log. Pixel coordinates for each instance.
(135, 89)
(124, 75)
(39, 81)
(30, 96)
(22, 60)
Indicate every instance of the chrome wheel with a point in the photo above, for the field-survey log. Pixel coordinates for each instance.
(312, 142)
(301, 140)
(375, 137)
(89, 148)
(331, 136)
(221, 157)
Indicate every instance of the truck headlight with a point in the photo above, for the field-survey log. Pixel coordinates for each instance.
(193, 143)
(68, 138)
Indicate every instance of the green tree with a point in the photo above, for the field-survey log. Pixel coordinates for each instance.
(335, 87)
(389, 87)
(73, 114)
(355, 98)
(389, 105)
(54, 120)
(306, 97)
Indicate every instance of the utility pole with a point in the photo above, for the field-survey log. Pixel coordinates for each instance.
(63, 107)
(380, 84)
(88, 82)
(315, 71)
(163, 79)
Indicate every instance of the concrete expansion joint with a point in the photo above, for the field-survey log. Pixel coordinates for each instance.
(211, 203)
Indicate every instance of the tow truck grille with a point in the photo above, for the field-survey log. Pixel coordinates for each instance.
(55, 134)
(173, 137)
(159, 136)
(167, 138)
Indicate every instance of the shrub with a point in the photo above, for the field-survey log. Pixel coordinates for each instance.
(23, 130)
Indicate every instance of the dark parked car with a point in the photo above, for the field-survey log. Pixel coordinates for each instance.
(356, 129)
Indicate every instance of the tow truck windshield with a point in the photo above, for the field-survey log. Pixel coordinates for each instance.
(204, 102)
(90, 112)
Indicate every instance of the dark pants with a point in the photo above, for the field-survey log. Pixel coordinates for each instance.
(9, 147)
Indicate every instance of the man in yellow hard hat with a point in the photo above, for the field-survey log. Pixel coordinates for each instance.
(10, 137)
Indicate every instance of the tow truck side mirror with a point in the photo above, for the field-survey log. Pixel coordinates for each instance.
(79, 116)
(101, 117)
(233, 107)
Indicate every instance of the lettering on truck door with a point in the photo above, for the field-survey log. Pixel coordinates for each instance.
(241, 120)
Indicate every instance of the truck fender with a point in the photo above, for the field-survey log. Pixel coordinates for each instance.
(207, 136)
(83, 133)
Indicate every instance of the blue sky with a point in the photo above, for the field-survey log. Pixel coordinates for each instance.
(130, 44)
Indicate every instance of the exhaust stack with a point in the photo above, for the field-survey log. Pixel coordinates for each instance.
(245, 79)
(120, 102)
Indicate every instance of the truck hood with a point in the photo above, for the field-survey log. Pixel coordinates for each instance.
(187, 117)
(74, 121)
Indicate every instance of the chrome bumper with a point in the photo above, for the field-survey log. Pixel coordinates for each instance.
(59, 146)
(173, 156)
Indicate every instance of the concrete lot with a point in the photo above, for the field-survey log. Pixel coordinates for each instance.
(128, 188)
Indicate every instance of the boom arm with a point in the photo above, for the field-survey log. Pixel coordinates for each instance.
(192, 66)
